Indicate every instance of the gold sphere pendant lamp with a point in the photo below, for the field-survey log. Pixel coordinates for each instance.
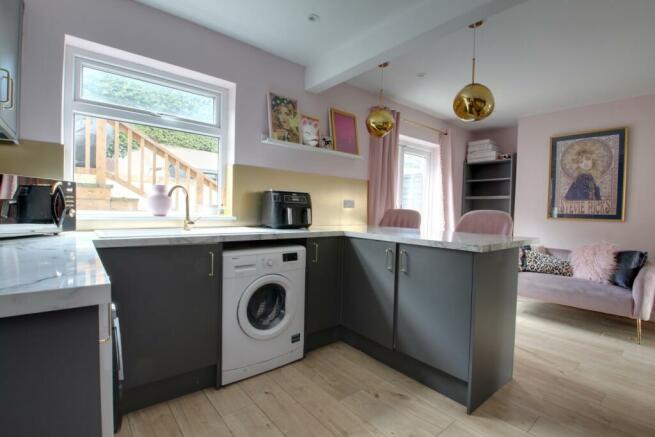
(475, 101)
(380, 121)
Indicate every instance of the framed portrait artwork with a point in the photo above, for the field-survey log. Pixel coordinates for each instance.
(588, 175)
(310, 130)
(283, 118)
(344, 131)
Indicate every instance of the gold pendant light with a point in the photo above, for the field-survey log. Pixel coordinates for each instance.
(380, 121)
(475, 101)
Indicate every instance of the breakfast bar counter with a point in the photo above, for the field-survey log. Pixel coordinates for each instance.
(437, 306)
(439, 239)
(49, 273)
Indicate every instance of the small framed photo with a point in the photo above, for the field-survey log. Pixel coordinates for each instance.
(283, 118)
(344, 131)
(310, 130)
(588, 175)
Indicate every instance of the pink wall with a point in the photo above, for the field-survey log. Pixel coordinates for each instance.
(505, 137)
(637, 232)
(133, 27)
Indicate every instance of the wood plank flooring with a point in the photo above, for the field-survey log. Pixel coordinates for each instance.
(577, 373)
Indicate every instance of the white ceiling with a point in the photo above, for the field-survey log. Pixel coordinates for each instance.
(537, 56)
(281, 27)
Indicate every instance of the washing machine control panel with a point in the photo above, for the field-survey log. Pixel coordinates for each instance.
(246, 263)
(289, 257)
(270, 262)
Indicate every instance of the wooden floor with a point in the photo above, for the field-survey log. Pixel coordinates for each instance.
(576, 373)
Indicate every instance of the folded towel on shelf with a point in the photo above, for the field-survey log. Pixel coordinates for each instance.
(484, 142)
(482, 156)
(483, 153)
(480, 148)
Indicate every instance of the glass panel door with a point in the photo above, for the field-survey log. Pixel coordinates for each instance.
(266, 306)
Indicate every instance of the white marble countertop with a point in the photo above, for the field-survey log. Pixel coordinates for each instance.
(39, 274)
(446, 240)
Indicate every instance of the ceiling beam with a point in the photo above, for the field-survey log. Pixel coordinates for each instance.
(414, 29)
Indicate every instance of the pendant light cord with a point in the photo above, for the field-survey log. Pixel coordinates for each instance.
(381, 86)
(475, 32)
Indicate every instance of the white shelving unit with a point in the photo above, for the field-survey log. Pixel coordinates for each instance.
(268, 140)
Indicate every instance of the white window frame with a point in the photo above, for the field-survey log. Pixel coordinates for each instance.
(79, 53)
(139, 73)
(430, 152)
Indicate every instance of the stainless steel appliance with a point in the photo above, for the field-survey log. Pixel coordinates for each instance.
(286, 210)
(35, 206)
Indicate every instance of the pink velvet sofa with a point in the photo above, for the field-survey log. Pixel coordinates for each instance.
(605, 298)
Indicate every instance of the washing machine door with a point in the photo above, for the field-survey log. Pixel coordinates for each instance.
(267, 307)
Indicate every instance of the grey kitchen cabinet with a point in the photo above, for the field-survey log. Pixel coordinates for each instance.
(50, 374)
(368, 289)
(434, 307)
(323, 284)
(455, 314)
(168, 301)
(11, 12)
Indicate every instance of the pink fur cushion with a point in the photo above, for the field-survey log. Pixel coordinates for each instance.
(596, 262)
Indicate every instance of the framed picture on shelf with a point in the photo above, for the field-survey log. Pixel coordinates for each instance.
(310, 130)
(344, 131)
(588, 175)
(283, 118)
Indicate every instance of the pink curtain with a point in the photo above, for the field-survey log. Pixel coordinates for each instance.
(446, 167)
(382, 172)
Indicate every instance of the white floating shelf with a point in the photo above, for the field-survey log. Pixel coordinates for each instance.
(268, 140)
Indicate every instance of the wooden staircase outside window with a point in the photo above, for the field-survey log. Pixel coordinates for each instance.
(144, 163)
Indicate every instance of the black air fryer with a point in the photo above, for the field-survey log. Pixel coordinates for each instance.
(286, 210)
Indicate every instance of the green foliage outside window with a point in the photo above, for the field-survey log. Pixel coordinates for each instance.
(116, 89)
(166, 137)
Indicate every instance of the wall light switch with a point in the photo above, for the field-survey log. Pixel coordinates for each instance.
(348, 203)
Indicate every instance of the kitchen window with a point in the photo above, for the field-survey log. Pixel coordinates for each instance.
(128, 126)
(419, 181)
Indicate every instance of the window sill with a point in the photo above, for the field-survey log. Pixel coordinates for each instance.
(88, 221)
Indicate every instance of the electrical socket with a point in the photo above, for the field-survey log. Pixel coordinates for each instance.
(348, 203)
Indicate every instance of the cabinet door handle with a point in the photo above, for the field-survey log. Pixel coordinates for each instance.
(315, 260)
(12, 99)
(6, 75)
(107, 339)
(211, 264)
(403, 261)
(389, 262)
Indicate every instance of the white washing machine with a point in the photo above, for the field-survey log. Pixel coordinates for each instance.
(263, 310)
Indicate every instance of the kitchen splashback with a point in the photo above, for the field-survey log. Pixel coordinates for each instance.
(328, 194)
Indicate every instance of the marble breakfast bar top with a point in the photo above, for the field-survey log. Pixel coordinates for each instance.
(439, 239)
(39, 274)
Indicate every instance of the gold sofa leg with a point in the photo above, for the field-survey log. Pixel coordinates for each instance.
(638, 331)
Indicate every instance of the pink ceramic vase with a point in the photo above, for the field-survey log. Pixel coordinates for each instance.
(158, 201)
